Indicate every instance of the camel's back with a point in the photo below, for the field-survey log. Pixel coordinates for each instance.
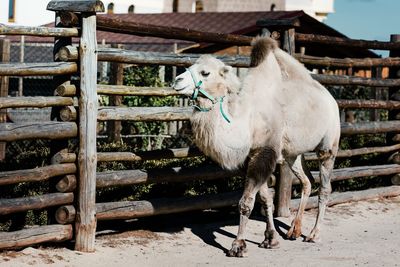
(311, 115)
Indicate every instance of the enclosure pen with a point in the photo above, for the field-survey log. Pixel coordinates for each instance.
(75, 115)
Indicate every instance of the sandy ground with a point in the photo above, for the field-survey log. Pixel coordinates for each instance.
(355, 234)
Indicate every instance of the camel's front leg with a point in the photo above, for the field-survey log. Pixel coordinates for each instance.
(261, 164)
(271, 236)
(246, 205)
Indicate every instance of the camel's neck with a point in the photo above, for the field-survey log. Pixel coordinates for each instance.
(228, 143)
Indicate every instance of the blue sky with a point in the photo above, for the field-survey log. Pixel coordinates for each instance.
(366, 19)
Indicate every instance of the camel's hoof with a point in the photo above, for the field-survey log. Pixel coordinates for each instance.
(269, 244)
(312, 239)
(293, 233)
(238, 249)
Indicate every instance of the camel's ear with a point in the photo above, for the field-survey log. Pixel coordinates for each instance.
(225, 70)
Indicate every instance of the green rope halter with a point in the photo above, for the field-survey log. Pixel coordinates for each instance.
(214, 100)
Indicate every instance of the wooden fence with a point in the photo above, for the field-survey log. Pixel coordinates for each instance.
(76, 175)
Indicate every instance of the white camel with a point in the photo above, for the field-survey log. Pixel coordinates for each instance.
(278, 113)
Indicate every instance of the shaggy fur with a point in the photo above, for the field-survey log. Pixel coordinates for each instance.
(278, 113)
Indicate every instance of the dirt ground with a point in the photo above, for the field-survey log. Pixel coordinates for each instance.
(355, 234)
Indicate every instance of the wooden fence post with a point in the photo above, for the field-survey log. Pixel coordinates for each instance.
(284, 192)
(394, 73)
(4, 57)
(85, 224)
(117, 78)
(87, 157)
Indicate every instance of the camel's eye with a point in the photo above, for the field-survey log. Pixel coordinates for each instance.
(204, 73)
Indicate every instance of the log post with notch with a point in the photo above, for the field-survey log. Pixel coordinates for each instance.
(283, 30)
(85, 224)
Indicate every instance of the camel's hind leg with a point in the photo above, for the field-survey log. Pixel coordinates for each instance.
(327, 159)
(260, 166)
(296, 166)
(270, 233)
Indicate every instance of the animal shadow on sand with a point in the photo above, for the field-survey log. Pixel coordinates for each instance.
(208, 232)
(204, 224)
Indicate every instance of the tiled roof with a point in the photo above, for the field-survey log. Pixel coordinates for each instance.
(221, 22)
(217, 22)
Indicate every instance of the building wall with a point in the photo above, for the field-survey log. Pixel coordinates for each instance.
(27, 12)
(225, 5)
(318, 9)
(34, 13)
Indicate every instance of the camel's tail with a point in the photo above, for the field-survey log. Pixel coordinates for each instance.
(261, 46)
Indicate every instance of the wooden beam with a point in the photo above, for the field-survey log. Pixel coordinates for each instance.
(38, 31)
(14, 205)
(67, 184)
(345, 42)
(63, 157)
(65, 214)
(76, 5)
(35, 235)
(130, 177)
(129, 27)
(356, 152)
(137, 209)
(356, 172)
(38, 69)
(351, 196)
(184, 60)
(144, 113)
(351, 80)
(36, 174)
(87, 158)
(348, 62)
(370, 127)
(35, 101)
(370, 104)
(170, 153)
(4, 86)
(43, 130)
(124, 90)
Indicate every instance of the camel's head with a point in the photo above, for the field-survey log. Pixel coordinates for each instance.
(208, 75)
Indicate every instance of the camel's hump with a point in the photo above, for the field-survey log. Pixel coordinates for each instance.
(261, 46)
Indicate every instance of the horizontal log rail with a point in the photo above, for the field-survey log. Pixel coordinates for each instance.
(36, 235)
(348, 62)
(35, 101)
(351, 80)
(171, 153)
(370, 104)
(38, 31)
(144, 113)
(125, 90)
(14, 205)
(345, 42)
(137, 209)
(175, 153)
(183, 113)
(184, 60)
(142, 29)
(351, 196)
(370, 127)
(130, 177)
(357, 172)
(38, 69)
(37, 174)
(357, 152)
(41, 130)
